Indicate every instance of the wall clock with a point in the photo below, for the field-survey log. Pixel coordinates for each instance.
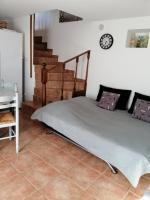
(106, 41)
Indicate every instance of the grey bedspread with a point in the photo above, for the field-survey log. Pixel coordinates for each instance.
(113, 136)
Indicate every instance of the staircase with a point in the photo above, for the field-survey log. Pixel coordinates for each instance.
(60, 83)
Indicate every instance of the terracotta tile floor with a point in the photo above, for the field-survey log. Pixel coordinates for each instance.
(50, 168)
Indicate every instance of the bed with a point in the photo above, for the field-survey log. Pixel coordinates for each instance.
(115, 137)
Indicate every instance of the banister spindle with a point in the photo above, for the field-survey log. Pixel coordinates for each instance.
(76, 71)
(87, 69)
(62, 79)
(44, 81)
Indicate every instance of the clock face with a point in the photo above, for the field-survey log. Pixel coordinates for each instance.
(106, 41)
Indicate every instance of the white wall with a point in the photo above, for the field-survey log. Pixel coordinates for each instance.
(41, 24)
(23, 25)
(119, 67)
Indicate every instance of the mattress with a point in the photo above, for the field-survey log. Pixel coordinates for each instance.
(115, 137)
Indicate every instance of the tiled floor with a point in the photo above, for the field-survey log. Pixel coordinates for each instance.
(50, 168)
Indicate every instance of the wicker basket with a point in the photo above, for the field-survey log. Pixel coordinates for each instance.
(3, 24)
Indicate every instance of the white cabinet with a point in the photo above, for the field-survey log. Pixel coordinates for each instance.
(11, 58)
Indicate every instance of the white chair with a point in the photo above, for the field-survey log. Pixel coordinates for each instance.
(9, 119)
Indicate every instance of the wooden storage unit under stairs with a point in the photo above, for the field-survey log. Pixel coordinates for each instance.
(60, 83)
(56, 84)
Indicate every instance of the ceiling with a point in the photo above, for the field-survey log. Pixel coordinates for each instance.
(87, 9)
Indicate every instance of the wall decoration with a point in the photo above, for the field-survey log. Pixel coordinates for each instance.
(138, 38)
(106, 41)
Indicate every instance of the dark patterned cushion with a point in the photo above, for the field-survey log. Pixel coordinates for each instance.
(108, 100)
(124, 96)
(142, 110)
(138, 96)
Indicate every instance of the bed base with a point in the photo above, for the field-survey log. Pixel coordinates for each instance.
(113, 169)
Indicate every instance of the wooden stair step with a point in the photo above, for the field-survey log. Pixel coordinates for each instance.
(69, 76)
(47, 64)
(67, 85)
(46, 57)
(57, 76)
(51, 68)
(40, 46)
(38, 71)
(40, 66)
(42, 53)
(47, 60)
(54, 76)
(69, 71)
(58, 65)
(38, 39)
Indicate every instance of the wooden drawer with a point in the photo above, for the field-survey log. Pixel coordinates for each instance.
(53, 95)
(68, 85)
(54, 84)
(54, 76)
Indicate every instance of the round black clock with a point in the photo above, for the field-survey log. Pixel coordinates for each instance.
(106, 41)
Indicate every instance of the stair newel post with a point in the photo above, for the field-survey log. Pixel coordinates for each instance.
(62, 79)
(76, 71)
(87, 69)
(44, 81)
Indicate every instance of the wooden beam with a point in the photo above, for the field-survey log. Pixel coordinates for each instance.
(33, 32)
(31, 44)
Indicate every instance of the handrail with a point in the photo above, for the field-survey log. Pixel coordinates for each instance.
(45, 71)
(79, 55)
(76, 69)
